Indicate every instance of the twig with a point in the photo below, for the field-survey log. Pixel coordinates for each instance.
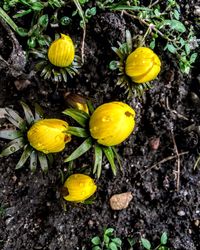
(149, 25)
(169, 158)
(81, 13)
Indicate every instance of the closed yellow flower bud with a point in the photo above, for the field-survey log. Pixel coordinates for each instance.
(111, 123)
(49, 135)
(142, 65)
(80, 187)
(76, 101)
(61, 52)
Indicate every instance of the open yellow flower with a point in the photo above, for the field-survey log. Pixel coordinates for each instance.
(142, 65)
(111, 123)
(49, 135)
(80, 187)
(62, 51)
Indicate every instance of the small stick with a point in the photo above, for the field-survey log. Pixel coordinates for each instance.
(169, 158)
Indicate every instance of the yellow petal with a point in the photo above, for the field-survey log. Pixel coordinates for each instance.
(111, 123)
(62, 51)
(49, 135)
(80, 187)
(140, 65)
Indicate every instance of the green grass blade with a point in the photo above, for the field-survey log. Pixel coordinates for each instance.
(24, 157)
(78, 115)
(83, 148)
(90, 106)
(98, 160)
(13, 146)
(15, 119)
(80, 132)
(110, 156)
(33, 161)
(43, 162)
(10, 134)
(28, 113)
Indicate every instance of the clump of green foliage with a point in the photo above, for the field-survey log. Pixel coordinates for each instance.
(161, 20)
(107, 242)
(162, 246)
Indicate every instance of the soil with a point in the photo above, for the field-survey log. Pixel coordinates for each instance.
(33, 214)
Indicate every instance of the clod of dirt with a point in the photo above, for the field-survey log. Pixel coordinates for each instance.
(154, 143)
(120, 201)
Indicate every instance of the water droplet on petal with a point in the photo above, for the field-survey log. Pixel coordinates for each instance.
(82, 193)
(106, 119)
(81, 184)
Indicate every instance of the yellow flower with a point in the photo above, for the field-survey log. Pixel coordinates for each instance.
(80, 187)
(111, 123)
(49, 135)
(142, 65)
(61, 52)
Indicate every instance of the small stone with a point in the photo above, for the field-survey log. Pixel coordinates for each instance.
(154, 143)
(22, 84)
(196, 223)
(181, 213)
(120, 201)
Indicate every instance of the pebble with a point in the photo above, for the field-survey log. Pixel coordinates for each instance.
(120, 201)
(181, 213)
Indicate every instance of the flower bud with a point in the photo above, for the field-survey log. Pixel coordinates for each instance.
(142, 65)
(61, 52)
(111, 123)
(76, 101)
(80, 187)
(49, 135)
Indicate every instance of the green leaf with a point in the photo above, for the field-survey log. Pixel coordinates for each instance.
(96, 241)
(22, 13)
(109, 231)
(152, 44)
(83, 148)
(187, 48)
(98, 160)
(171, 48)
(15, 119)
(24, 157)
(112, 246)
(79, 132)
(90, 106)
(43, 21)
(176, 14)
(28, 113)
(131, 241)
(96, 248)
(110, 156)
(43, 162)
(113, 65)
(33, 161)
(146, 244)
(193, 57)
(37, 6)
(106, 239)
(10, 134)
(117, 241)
(13, 146)
(117, 156)
(164, 238)
(78, 115)
(50, 159)
(39, 113)
(174, 25)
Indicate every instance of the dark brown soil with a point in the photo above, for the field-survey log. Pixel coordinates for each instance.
(34, 217)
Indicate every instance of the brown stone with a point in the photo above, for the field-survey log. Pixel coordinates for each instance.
(120, 201)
